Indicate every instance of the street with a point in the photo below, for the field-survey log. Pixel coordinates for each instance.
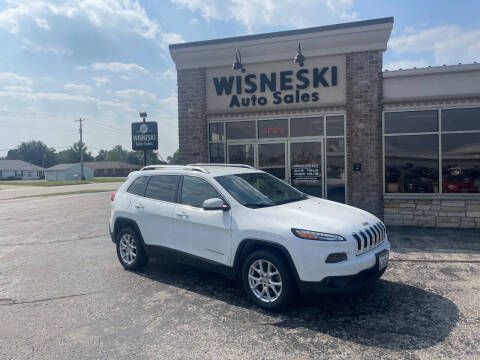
(64, 295)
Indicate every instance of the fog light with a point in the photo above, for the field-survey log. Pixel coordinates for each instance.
(336, 258)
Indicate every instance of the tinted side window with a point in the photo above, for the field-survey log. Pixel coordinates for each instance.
(138, 186)
(196, 190)
(162, 187)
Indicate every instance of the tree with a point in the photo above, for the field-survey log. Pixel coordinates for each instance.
(35, 152)
(175, 158)
(72, 155)
(102, 155)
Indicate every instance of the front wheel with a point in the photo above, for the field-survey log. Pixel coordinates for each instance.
(130, 250)
(268, 281)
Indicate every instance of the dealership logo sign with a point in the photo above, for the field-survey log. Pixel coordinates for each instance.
(144, 135)
(285, 87)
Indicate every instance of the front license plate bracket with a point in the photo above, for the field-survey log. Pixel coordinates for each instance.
(382, 259)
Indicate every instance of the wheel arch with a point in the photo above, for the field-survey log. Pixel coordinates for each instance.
(122, 223)
(247, 246)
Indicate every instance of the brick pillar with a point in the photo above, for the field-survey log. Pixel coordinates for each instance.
(364, 130)
(192, 120)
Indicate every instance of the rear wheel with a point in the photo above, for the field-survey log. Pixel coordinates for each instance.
(130, 250)
(267, 280)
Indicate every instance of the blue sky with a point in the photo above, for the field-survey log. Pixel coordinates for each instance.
(105, 60)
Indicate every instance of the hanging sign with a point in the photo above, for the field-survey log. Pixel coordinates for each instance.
(144, 135)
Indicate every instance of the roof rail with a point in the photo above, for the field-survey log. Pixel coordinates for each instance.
(223, 165)
(179, 167)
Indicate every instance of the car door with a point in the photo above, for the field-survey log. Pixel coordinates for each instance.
(157, 208)
(204, 233)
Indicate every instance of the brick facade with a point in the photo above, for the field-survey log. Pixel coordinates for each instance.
(462, 213)
(192, 120)
(364, 131)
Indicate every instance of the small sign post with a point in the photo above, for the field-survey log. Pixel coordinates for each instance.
(144, 136)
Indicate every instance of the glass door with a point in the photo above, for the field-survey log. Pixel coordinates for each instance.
(306, 167)
(272, 158)
(241, 154)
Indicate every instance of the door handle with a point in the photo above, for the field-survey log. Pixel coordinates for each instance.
(138, 205)
(181, 214)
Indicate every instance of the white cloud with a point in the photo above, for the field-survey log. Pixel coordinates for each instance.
(100, 80)
(125, 77)
(115, 67)
(168, 75)
(18, 88)
(448, 44)
(254, 14)
(14, 79)
(194, 21)
(135, 95)
(80, 26)
(404, 64)
(78, 88)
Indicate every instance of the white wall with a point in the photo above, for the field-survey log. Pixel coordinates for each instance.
(442, 82)
(72, 173)
(27, 174)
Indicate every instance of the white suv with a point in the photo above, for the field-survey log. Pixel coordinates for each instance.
(249, 225)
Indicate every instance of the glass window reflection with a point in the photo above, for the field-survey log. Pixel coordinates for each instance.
(241, 154)
(308, 126)
(241, 130)
(217, 153)
(216, 132)
(411, 164)
(411, 121)
(461, 163)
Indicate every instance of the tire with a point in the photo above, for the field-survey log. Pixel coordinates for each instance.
(273, 297)
(130, 251)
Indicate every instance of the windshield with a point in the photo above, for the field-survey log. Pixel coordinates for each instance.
(256, 190)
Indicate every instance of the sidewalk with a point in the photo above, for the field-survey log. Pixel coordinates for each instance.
(11, 192)
(411, 243)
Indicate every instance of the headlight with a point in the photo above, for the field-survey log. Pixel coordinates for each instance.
(314, 235)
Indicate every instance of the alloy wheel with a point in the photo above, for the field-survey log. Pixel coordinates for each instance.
(265, 280)
(128, 248)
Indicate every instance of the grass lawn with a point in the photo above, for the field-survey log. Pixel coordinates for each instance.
(65, 193)
(60, 183)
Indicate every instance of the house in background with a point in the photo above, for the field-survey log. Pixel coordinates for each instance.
(19, 170)
(64, 172)
(112, 168)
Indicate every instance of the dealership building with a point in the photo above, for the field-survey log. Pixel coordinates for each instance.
(314, 108)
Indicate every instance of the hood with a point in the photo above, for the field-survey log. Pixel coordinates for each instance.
(321, 215)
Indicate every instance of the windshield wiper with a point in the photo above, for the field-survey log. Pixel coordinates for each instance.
(257, 205)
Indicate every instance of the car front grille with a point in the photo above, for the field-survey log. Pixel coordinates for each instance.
(369, 237)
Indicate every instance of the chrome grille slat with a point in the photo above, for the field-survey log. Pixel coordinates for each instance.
(369, 237)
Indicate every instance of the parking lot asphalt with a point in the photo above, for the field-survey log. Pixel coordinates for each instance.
(64, 295)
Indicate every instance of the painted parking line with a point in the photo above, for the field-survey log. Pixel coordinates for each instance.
(7, 251)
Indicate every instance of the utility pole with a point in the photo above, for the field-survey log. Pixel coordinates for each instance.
(143, 115)
(80, 147)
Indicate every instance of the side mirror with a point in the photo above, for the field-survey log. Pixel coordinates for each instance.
(214, 204)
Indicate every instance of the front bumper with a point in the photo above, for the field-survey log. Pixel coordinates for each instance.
(341, 284)
(310, 258)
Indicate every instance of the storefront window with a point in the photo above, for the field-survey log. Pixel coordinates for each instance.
(336, 169)
(461, 163)
(461, 119)
(334, 125)
(241, 130)
(272, 128)
(217, 153)
(308, 126)
(411, 122)
(411, 164)
(216, 132)
(241, 154)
